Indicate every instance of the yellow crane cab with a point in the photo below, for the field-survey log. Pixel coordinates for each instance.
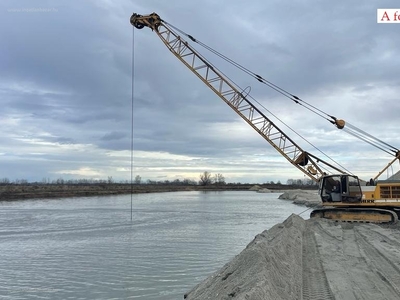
(346, 198)
(342, 188)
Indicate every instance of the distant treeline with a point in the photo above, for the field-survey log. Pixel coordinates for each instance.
(139, 181)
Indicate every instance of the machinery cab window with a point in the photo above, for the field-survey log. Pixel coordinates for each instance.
(340, 188)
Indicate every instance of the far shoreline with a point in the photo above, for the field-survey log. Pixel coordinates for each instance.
(30, 191)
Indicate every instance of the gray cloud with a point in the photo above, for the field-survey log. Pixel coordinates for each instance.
(65, 87)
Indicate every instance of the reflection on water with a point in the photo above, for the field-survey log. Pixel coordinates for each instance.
(88, 248)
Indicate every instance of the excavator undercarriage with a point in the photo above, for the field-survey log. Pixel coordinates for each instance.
(345, 199)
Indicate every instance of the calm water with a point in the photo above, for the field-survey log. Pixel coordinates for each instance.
(88, 248)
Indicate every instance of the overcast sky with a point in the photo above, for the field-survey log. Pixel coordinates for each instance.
(66, 84)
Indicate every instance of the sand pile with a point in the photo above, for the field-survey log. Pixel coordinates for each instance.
(308, 198)
(317, 259)
(259, 189)
(255, 188)
(269, 268)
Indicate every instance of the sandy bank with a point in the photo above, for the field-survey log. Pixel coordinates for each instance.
(313, 259)
(10, 192)
(308, 198)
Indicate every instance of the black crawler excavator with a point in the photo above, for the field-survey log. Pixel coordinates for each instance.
(344, 196)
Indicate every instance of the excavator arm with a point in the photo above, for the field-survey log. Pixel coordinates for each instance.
(236, 98)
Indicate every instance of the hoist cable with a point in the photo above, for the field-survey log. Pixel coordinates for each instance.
(279, 90)
(299, 135)
(392, 148)
(273, 86)
(132, 110)
(352, 130)
(357, 135)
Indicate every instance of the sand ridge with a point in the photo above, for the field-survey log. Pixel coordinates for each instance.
(311, 259)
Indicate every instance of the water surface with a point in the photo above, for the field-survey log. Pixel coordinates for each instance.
(88, 248)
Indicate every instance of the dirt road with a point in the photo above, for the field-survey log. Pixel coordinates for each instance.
(314, 259)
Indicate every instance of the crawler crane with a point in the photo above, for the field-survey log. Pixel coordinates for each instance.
(344, 196)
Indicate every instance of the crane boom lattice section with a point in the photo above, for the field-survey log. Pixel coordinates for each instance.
(236, 98)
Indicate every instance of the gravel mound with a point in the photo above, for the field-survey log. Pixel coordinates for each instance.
(308, 198)
(255, 188)
(317, 259)
(270, 267)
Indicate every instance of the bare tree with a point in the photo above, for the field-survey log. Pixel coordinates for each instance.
(5, 180)
(138, 179)
(205, 178)
(219, 179)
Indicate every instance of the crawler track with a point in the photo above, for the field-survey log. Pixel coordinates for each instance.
(315, 285)
(360, 261)
(360, 215)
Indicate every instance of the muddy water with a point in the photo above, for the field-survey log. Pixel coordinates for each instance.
(88, 248)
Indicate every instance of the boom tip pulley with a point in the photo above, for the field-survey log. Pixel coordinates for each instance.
(153, 21)
(339, 123)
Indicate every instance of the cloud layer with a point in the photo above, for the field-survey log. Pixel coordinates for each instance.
(66, 88)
